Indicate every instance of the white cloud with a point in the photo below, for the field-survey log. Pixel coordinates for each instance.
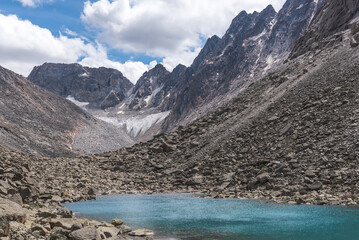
(130, 69)
(24, 45)
(70, 33)
(161, 28)
(34, 3)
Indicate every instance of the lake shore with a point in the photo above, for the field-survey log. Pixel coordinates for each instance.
(38, 187)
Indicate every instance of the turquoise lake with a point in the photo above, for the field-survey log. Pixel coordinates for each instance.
(185, 216)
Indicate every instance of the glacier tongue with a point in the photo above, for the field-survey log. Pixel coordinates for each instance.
(136, 125)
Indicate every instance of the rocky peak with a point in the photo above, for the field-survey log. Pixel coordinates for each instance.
(154, 77)
(85, 84)
(208, 49)
(329, 25)
(148, 89)
(289, 25)
(253, 44)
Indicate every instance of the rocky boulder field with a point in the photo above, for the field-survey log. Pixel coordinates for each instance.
(30, 211)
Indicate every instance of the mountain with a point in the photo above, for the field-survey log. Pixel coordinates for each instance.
(36, 121)
(254, 44)
(337, 22)
(100, 87)
(151, 89)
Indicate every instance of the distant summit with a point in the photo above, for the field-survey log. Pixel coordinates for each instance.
(100, 87)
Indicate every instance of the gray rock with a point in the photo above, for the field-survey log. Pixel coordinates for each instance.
(141, 233)
(117, 222)
(86, 233)
(10, 211)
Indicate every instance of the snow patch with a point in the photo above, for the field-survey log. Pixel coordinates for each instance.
(85, 74)
(154, 93)
(300, 6)
(269, 61)
(78, 103)
(255, 38)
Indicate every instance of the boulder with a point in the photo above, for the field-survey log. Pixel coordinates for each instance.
(108, 232)
(56, 198)
(25, 193)
(59, 234)
(86, 233)
(125, 229)
(38, 228)
(141, 233)
(314, 186)
(263, 178)
(196, 180)
(46, 213)
(65, 223)
(10, 211)
(15, 198)
(117, 222)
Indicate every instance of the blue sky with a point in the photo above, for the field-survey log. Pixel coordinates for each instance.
(129, 35)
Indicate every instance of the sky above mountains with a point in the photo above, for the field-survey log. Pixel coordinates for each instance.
(129, 35)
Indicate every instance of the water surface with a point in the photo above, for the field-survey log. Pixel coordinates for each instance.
(185, 216)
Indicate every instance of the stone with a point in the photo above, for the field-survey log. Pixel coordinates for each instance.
(86, 233)
(108, 232)
(125, 229)
(314, 186)
(65, 223)
(91, 191)
(56, 198)
(4, 184)
(25, 193)
(10, 211)
(59, 234)
(38, 228)
(46, 213)
(141, 233)
(117, 222)
(65, 213)
(76, 226)
(263, 177)
(14, 228)
(196, 180)
(16, 198)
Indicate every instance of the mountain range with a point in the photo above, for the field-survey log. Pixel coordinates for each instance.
(160, 101)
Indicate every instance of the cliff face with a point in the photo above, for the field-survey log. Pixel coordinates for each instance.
(338, 20)
(101, 87)
(35, 121)
(253, 44)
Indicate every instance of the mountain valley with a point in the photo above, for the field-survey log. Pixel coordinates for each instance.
(267, 112)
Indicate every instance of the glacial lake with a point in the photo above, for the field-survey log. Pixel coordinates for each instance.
(186, 216)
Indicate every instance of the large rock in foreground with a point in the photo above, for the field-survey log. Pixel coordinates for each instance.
(87, 233)
(9, 211)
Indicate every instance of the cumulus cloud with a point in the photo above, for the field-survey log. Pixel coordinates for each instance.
(172, 29)
(33, 3)
(24, 45)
